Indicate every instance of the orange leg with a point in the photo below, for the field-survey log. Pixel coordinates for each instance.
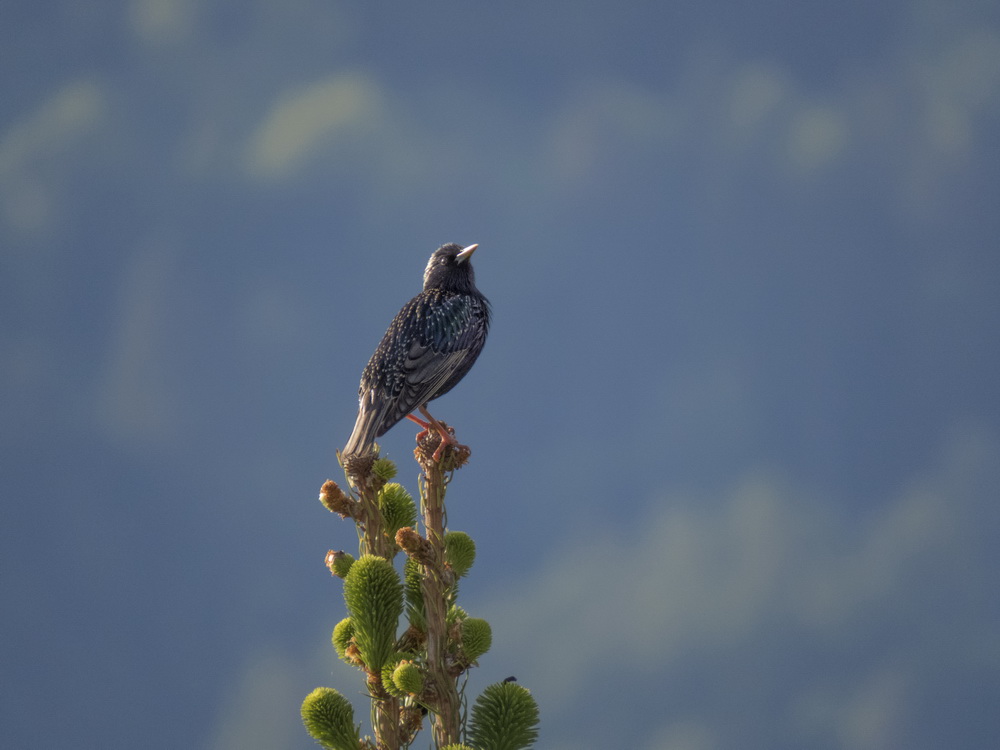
(420, 422)
(446, 437)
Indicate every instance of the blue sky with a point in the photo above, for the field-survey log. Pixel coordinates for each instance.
(736, 431)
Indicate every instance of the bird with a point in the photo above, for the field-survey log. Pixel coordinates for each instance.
(428, 348)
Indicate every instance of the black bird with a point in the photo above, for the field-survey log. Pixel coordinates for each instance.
(430, 345)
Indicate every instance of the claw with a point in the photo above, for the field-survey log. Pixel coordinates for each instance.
(446, 437)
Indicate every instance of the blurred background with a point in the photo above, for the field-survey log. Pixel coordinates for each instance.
(736, 432)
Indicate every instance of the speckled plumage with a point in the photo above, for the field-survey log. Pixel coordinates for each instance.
(430, 345)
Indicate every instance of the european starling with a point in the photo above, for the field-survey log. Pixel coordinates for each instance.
(430, 345)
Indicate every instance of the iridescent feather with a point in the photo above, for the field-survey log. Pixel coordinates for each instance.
(430, 345)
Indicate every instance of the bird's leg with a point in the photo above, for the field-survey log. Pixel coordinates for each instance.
(446, 437)
(420, 422)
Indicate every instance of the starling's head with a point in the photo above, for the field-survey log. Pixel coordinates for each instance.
(450, 269)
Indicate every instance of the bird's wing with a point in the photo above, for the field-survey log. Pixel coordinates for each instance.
(430, 345)
(431, 370)
(367, 425)
(444, 337)
(434, 344)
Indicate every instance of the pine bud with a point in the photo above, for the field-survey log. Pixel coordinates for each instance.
(329, 718)
(459, 551)
(339, 562)
(477, 637)
(505, 717)
(408, 678)
(374, 597)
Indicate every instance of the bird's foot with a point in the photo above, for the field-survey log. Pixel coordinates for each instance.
(447, 434)
(426, 425)
(447, 439)
(441, 446)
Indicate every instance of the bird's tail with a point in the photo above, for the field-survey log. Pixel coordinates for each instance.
(365, 432)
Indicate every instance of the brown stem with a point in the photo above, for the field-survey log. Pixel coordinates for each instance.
(447, 708)
(368, 516)
(371, 522)
(387, 727)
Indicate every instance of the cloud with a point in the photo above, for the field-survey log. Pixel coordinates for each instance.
(756, 90)
(162, 22)
(134, 402)
(261, 707)
(702, 585)
(872, 712)
(304, 122)
(686, 735)
(32, 152)
(954, 87)
(918, 115)
(817, 135)
(602, 120)
(957, 84)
